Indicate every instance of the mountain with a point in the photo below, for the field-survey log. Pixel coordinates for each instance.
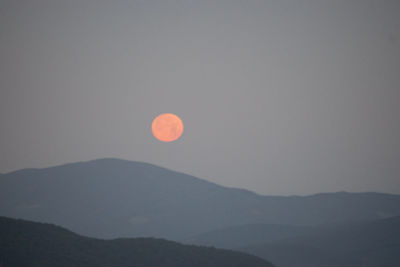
(367, 244)
(110, 198)
(235, 237)
(25, 243)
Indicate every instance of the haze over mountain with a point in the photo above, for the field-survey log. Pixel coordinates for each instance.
(279, 97)
(239, 236)
(110, 198)
(287, 126)
(367, 244)
(25, 243)
(361, 244)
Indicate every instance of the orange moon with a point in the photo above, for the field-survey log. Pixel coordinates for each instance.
(167, 127)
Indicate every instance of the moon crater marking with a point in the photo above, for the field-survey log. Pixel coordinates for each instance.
(167, 127)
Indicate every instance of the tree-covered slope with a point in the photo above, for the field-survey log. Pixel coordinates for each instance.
(24, 243)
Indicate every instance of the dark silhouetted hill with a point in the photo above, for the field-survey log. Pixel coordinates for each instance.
(24, 243)
(111, 198)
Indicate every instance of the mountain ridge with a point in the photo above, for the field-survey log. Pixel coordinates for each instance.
(26, 243)
(111, 198)
(363, 244)
(113, 159)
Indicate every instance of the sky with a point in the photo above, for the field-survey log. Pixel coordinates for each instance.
(278, 97)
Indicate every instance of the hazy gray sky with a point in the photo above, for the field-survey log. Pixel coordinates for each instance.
(279, 97)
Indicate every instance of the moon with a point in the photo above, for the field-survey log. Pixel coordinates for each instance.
(167, 127)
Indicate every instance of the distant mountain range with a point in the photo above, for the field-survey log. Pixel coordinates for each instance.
(111, 198)
(238, 237)
(361, 244)
(369, 244)
(24, 243)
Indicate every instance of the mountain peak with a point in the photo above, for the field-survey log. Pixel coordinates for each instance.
(112, 197)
